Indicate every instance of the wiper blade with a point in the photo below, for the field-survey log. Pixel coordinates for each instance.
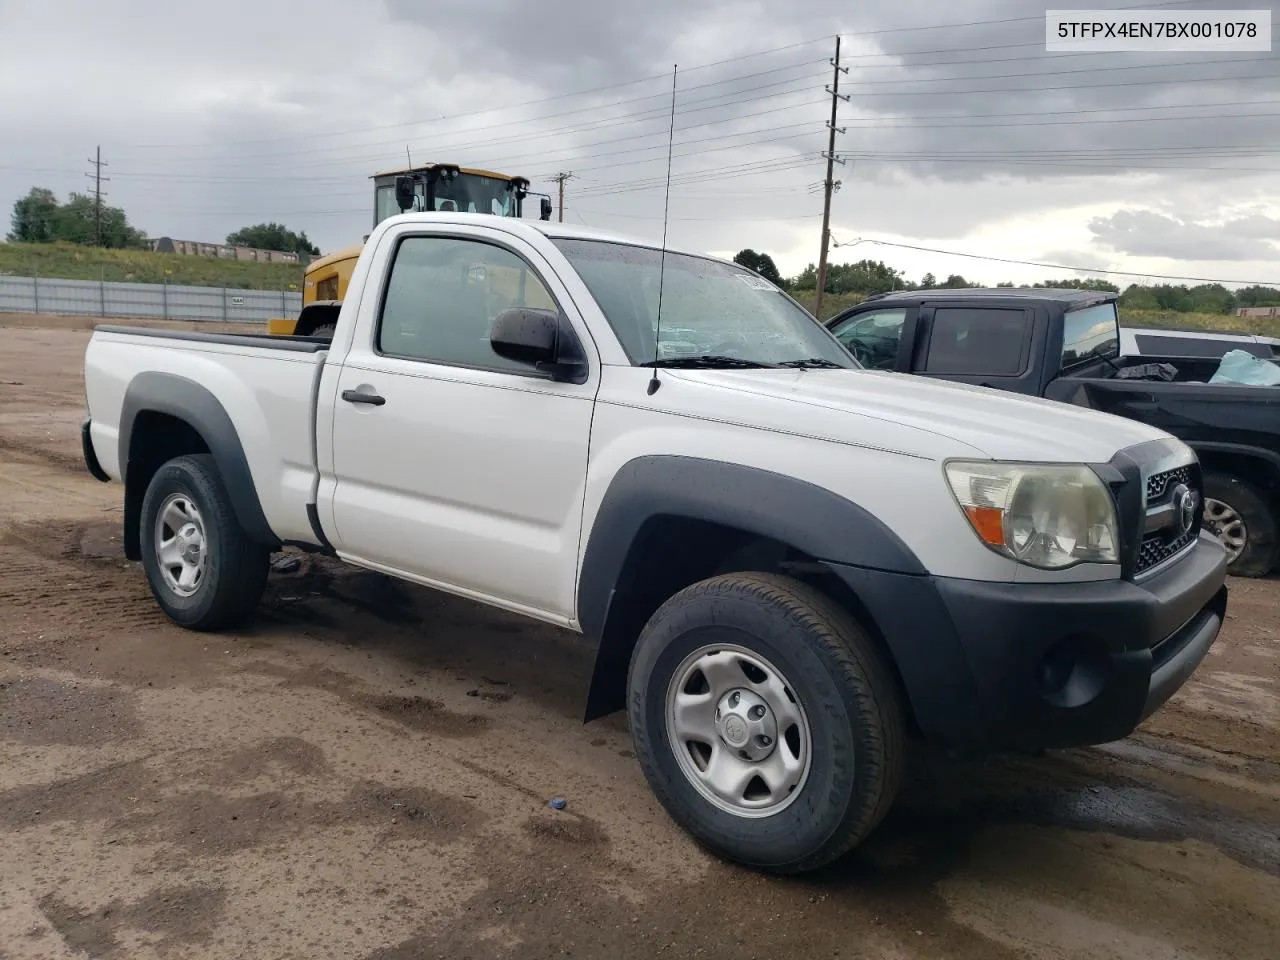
(709, 361)
(811, 362)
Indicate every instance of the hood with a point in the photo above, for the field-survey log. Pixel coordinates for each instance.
(1000, 425)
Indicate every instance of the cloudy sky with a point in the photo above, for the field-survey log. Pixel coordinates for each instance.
(960, 132)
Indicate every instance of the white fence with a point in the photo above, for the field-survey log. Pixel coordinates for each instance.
(160, 301)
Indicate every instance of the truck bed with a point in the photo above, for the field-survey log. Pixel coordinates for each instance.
(267, 386)
(1188, 406)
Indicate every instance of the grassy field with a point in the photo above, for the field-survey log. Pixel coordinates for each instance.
(64, 261)
(1168, 319)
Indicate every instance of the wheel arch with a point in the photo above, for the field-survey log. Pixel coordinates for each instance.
(1253, 464)
(164, 416)
(668, 521)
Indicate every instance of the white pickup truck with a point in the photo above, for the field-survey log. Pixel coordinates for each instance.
(790, 565)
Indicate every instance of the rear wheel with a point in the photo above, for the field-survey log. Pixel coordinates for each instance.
(765, 721)
(325, 331)
(204, 570)
(1244, 521)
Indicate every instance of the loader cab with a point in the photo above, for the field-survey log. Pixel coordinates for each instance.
(449, 188)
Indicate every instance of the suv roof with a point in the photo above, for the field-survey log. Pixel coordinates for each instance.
(1065, 296)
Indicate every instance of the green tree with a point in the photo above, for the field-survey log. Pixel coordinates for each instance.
(77, 222)
(273, 236)
(762, 264)
(40, 218)
(928, 281)
(34, 217)
(1075, 283)
(956, 282)
(865, 276)
(1257, 296)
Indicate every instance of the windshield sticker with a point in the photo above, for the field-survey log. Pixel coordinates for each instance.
(756, 283)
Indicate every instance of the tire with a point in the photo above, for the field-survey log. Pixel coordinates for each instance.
(325, 331)
(1235, 509)
(831, 671)
(232, 569)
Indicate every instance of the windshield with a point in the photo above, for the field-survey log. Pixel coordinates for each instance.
(468, 193)
(708, 308)
(1089, 333)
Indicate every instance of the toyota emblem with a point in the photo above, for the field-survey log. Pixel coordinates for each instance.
(1185, 503)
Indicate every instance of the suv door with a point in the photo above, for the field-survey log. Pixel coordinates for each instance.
(990, 345)
(878, 337)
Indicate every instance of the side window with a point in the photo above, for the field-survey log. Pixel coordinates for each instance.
(873, 337)
(442, 298)
(981, 341)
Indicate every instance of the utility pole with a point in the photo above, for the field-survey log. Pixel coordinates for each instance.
(560, 178)
(828, 184)
(98, 163)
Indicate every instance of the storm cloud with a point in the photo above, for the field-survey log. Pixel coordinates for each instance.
(960, 131)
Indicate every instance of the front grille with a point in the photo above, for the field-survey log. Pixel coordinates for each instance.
(1156, 549)
(1159, 484)
(1171, 539)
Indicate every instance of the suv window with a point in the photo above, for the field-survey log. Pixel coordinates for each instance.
(981, 341)
(873, 337)
(443, 295)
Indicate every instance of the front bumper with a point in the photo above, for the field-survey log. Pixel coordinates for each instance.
(1045, 665)
(90, 456)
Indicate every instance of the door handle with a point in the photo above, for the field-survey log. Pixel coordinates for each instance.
(355, 396)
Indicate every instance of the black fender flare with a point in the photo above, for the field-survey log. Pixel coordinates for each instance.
(193, 404)
(1243, 450)
(802, 515)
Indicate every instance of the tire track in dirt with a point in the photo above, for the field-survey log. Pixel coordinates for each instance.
(43, 569)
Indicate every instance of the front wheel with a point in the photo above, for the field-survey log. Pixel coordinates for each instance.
(1244, 522)
(765, 721)
(204, 570)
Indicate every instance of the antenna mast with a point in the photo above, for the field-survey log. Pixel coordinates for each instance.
(666, 207)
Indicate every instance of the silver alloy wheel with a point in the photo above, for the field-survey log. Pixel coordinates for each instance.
(738, 732)
(1227, 525)
(181, 550)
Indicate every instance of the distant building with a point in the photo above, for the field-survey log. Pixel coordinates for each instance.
(1258, 311)
(194, 248)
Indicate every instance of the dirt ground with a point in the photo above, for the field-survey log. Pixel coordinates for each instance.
(364, 773)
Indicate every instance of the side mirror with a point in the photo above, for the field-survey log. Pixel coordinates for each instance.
(546, 208)
(541, 339)
(405, 188)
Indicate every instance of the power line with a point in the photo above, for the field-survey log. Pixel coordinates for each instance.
(1063, 73)
(652, 113)
(1081, 86)
(657, 112)
(1057, 266)
(515, 106)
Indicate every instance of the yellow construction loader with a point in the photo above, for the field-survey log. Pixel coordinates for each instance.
(435, 186)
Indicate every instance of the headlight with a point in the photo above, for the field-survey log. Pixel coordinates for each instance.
(1045, 515)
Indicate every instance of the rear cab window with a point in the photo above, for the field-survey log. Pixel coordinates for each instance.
(1090, 333)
